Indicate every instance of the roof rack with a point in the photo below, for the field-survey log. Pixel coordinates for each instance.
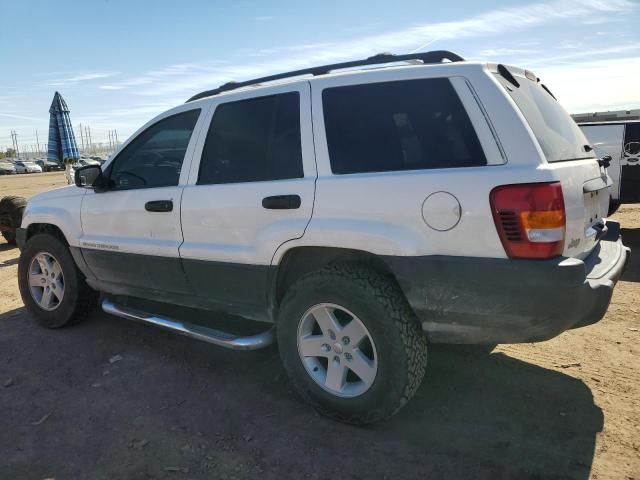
(437, 56)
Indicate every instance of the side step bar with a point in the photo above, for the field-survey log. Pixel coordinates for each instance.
(210, 335)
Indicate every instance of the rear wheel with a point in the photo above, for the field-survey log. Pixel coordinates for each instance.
(12, 208)
(52, 288)
(351, 344)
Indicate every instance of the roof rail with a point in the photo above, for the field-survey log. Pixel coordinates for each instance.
(437, 56)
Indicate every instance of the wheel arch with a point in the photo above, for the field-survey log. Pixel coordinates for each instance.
(53, 219)
(49, 228)
(298, 261)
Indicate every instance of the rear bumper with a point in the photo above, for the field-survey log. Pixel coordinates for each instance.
(485, 300)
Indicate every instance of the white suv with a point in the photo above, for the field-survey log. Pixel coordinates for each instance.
(363, 212)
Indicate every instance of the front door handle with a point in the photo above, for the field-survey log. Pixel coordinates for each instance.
(282, 202)
(159, 206)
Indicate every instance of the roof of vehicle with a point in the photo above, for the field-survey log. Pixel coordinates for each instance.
(434, 57)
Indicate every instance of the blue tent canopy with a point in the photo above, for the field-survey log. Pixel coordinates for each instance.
(62, 141)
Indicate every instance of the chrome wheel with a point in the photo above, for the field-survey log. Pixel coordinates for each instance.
(337, 350)
(46, 281)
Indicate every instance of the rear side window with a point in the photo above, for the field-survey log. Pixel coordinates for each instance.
(559, 136)
(403, 125)
(253, 140)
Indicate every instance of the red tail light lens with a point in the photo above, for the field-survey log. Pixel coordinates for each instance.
(530, 219)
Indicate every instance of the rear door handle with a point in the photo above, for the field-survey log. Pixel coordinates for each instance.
(159, 206)
(282, 202)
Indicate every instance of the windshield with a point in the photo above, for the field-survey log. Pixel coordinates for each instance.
(558, 135)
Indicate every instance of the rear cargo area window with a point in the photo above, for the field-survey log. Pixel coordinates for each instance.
(403, 125)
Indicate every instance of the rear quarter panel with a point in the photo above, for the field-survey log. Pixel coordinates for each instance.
(382, 212)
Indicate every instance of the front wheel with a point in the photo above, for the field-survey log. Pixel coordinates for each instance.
(351, 344)
(52, 288)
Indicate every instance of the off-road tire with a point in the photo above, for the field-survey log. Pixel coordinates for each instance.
(399, 341)
(79, 299)
(13, 208)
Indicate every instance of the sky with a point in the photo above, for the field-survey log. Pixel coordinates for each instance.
(118, 63)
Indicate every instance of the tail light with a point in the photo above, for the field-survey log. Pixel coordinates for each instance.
(530, 219)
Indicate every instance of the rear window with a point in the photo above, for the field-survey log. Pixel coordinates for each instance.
(559, 136)
(402, 125)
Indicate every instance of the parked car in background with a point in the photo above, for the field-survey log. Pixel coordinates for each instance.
(27, 167)
(7, 168)
(20, 167)
(84, 161)
(48, 165)
(621, 141)
(43, 165)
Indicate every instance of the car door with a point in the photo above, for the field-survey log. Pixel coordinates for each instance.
(131, 231)
(251, 189)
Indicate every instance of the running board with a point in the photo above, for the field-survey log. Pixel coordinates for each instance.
(210, 335)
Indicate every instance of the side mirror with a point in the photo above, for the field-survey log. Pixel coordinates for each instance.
(89, 176)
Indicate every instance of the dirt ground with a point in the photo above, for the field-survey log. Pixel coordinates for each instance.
(111, 399)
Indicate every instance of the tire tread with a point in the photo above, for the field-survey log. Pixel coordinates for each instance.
(386, 292)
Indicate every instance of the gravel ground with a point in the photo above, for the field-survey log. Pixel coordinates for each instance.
(110, 399)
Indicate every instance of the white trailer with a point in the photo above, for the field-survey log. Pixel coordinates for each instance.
(620, 140)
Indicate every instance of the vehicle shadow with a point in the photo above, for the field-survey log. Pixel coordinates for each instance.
(631, 238)
(4, 246)
(513, 418)
(114, 384)
(10, 262)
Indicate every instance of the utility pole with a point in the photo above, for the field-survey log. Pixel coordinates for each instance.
(14, 139)
(37, 140)
(82, 138)
(87, 133)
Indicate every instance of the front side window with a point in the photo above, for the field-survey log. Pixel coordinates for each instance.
(400, 125)
(253, 140)
(154, 158)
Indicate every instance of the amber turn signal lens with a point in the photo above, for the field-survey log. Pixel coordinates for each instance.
(550, 219)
